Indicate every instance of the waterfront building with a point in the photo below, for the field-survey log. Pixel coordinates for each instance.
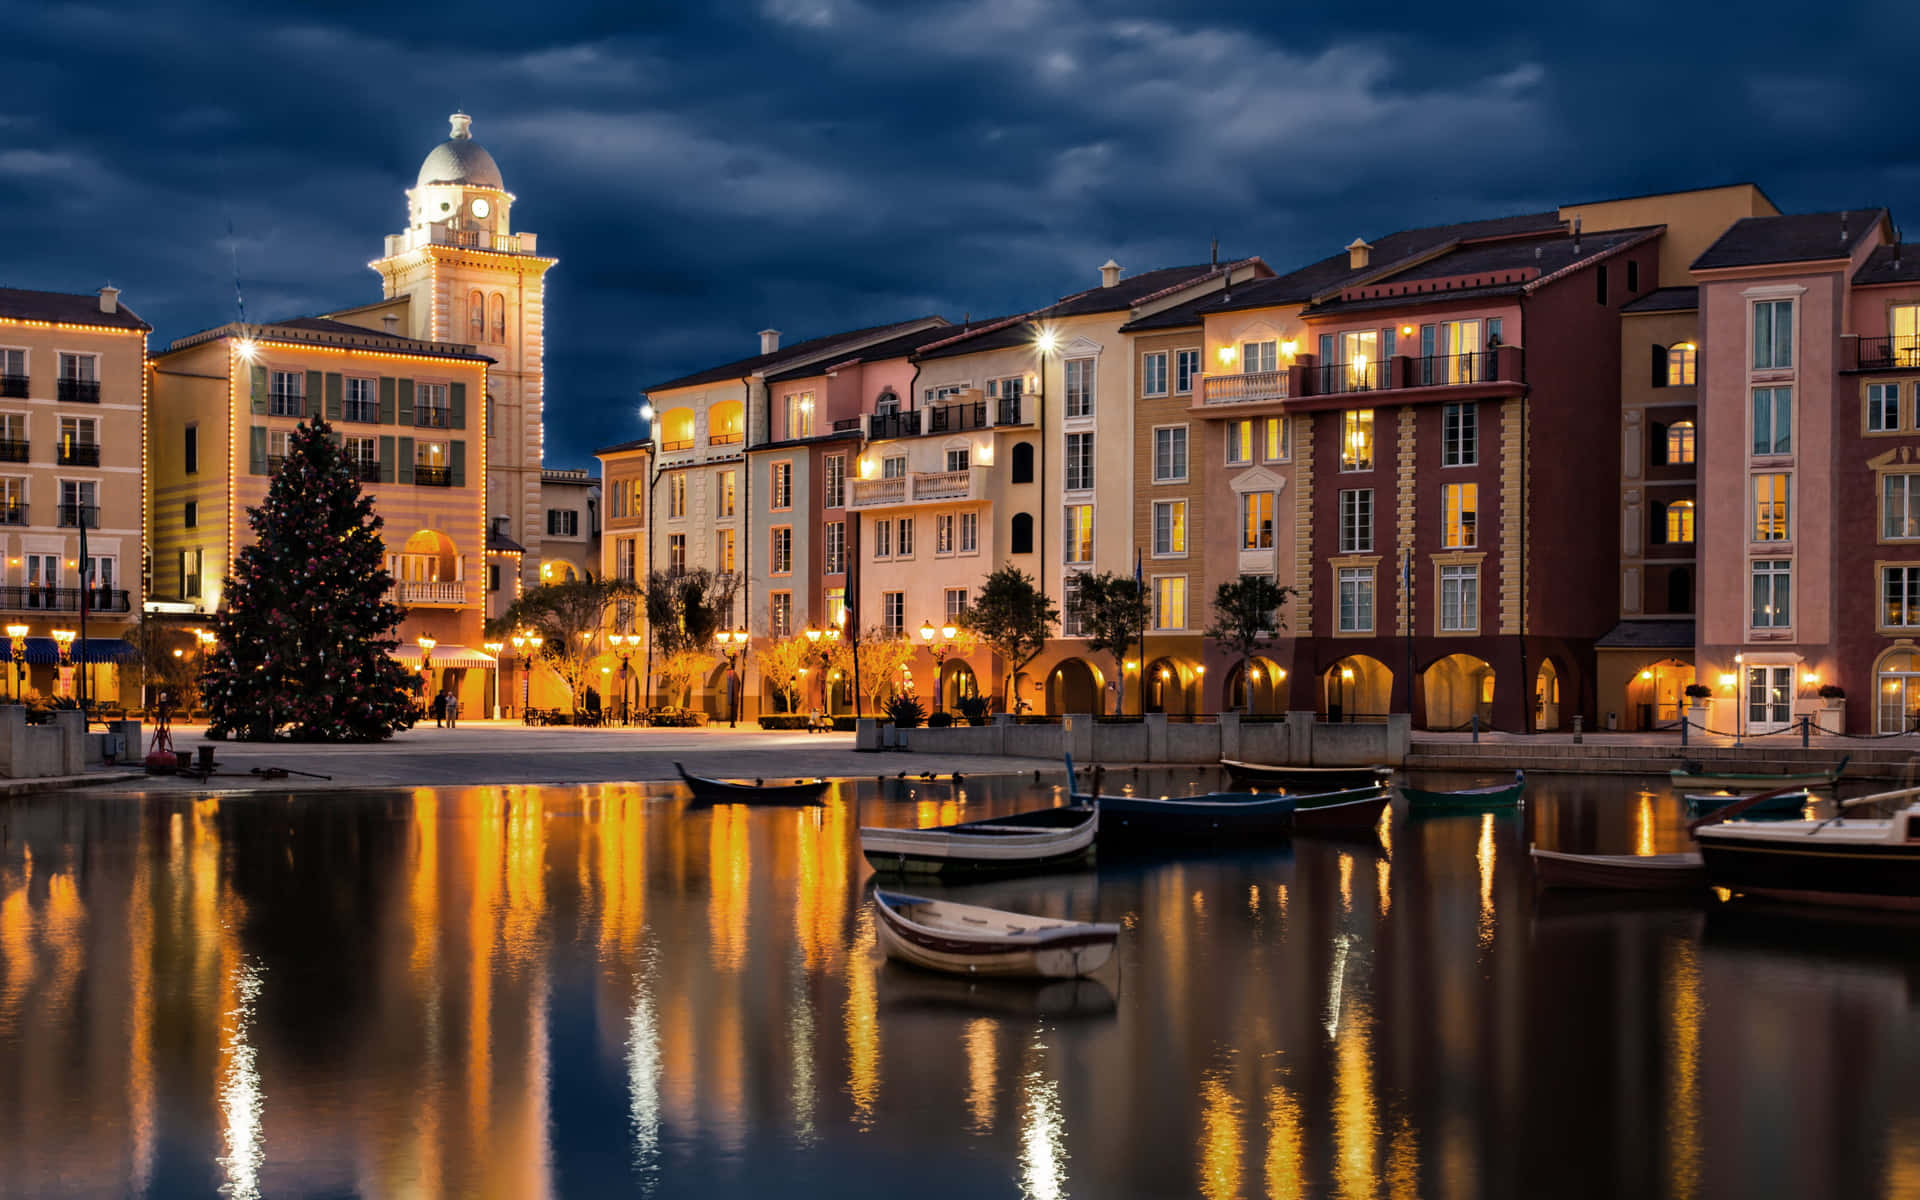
(409, 414)
(570, 538)
(73, 421)
(1809, 483)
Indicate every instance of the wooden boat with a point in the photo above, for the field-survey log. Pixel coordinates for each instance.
(1214, 816)
(1475, 799)
(1351, 817)
(1045, 839)
(1311, 779)
(760, 791)
(1632, 872)
(1785, 804)
(963, 939)
(1844, 861)
(1692, 776)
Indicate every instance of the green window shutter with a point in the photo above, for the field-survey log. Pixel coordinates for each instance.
(386, 457)
(404, 409)
(314, 391)
(406, 460)
(459, 393)
(457, 463)
(259, 389)
(257, 450)
(386, 400)
(333, 396)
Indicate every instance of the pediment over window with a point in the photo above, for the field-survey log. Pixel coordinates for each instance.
(1080, 347)
(1259, 479)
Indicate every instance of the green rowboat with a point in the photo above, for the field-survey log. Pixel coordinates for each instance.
(1490, 798)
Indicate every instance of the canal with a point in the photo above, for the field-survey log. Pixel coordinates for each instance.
(594, 991)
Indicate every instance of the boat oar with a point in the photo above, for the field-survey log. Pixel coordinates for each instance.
(1740, 806)
(1879, 797)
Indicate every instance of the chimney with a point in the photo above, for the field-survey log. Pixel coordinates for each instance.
(1359, 254)
(1576, 237)
(1215, 261)
(109, 299)
(769, 340)
(392, 323)
(1843, 227)
(1109, 274)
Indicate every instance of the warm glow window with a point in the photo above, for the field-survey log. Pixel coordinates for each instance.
(1680, 447)
(1239, 443)
(781, 544)
(836, 487)
(800, 415)
(1903, 329)
(833, 550)
(723, 492)
(1680, 522)
(1170, 602)
(1770, 515)
(1772, 593)
(1256, 521)
(782, 481)
(1170, 528)
(677, 495)
(676, 552)
(1279, 447)
(1682, 362)
(1461, 502)
(780, 614)
(723, 547)
(1077, 542)
(1356, 439)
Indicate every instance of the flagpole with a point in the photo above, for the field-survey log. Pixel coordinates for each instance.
(1406, 576)
(1140, 589)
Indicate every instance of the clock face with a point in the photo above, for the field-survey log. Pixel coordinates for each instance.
(481, 208)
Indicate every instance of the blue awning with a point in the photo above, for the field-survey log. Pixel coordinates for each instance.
(45, 652)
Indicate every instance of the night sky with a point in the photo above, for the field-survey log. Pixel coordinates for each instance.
(813, 165)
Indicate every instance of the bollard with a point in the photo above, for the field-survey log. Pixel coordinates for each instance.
(1805, 740)
(1476, 727)
(1578, 735)
(1683, 730)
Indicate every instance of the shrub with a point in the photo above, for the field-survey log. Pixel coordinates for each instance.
(783, 721)
(973, 708)
(1832, 691)
(675, 718)
(905, 712)
(1699, 691)
(939, 720)
(843, 724)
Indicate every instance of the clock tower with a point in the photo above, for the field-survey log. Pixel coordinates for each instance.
(461, 274)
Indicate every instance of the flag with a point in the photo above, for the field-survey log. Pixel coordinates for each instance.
(1139, 579)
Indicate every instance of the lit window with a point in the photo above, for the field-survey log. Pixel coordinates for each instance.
(676, 495)
(1682, 361)
(780, 614)
(1279, 447)
(1680, 522)
(1462, 504)
(1770, 507)
(782, 550)
(1078, 543)
(1170, 602)
(1772, 593)
(1680, 448)
(1356, 439)
(1900, 586)
(782, 485)
(836, 473)
(1170, 527)
(1239, 443)
(723, 492)
(1256, 521)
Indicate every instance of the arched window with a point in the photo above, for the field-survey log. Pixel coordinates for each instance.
(1680, 522)
(1680, 444)
(1681, 359)
(887, 403)
(1022, 533)
(477, 317)
(499, 317)
(1023, 462)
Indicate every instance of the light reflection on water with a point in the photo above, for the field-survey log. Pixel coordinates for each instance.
(585, 991)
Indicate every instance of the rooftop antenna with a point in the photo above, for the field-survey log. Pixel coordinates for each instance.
(1843, 227)
(1576, 237)
(239, 301)
(1215, 263)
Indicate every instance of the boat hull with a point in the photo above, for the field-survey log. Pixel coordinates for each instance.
(1023, 843)
(1218, 817)
(1420, 800)
(1791, 804)
(1351, 818)
(1640, 873)
(721, 791)
(1249, 774)
(1054, 951)
(1813, 870)
(1735, 781)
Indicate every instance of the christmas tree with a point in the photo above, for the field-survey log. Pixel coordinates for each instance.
(306, 631)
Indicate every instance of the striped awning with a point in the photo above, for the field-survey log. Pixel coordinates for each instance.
(446, 656)
(45, 652)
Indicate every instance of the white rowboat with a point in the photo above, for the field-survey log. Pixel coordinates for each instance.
(963, 939)
(1046, 839)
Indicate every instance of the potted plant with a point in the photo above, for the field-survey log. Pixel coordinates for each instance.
(1832, 717)
(1698, 694)
(903, 712)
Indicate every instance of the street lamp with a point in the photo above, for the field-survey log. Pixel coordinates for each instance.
(18, 635)
(63, 638)
(624, 644)
(519, 640)
(732, 642)
(940, 650)
(494, 648)
(426, 645)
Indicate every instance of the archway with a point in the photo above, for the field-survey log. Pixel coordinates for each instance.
(1458, 688)
(1546, 698)
(1897, 691)
(1358, 688)
(1268, 681)
(1173, 687)
(716, 696)
(1072, 687)
(957, 683)
(1656, 695)
(428, 556)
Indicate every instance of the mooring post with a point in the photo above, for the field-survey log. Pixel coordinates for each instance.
(1683, 730)
(1476, 727)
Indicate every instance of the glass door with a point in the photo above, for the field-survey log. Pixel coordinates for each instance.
(1769, 698)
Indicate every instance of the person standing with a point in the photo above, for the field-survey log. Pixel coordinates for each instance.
(452, 705)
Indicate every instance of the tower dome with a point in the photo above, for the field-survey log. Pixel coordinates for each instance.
(460, 160)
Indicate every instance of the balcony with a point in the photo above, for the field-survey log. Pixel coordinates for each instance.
(1330, 379)
(63, 600)
(76, 454)
(725, 439)
(894, 425)
(71, 515)
(432, 417)
(13, 387)
(957, 418)
(13, 514)
(416, 592)
(80, 391)
(919, 487)
(15, 451)
(667, 447)
(1882, 354)
(1245, 388)
(1449, 370)
(425, 476)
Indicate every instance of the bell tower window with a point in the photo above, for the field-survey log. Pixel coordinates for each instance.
(476, 317)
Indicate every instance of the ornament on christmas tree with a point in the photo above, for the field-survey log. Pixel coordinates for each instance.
(311, 591)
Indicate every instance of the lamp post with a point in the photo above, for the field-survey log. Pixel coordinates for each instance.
(939, 649)
(206, 638)
(494, 648)
(63, 638)
(526, 672)
(426, 645)
(17, 634)
(624, 645)
(732, 642)
(830, 635)
(519, 640)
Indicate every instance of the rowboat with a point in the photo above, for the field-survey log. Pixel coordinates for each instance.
(1045, 839)
(1215, 816)
(1786, 803)
(963, 939)
(1845, 861)
(1633, 872)
(726, 791)
(1358, 815)
(1692, 776)
(1475, 799)
(1312, 779)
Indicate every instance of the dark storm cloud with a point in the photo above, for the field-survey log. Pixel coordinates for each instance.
(706, 171)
